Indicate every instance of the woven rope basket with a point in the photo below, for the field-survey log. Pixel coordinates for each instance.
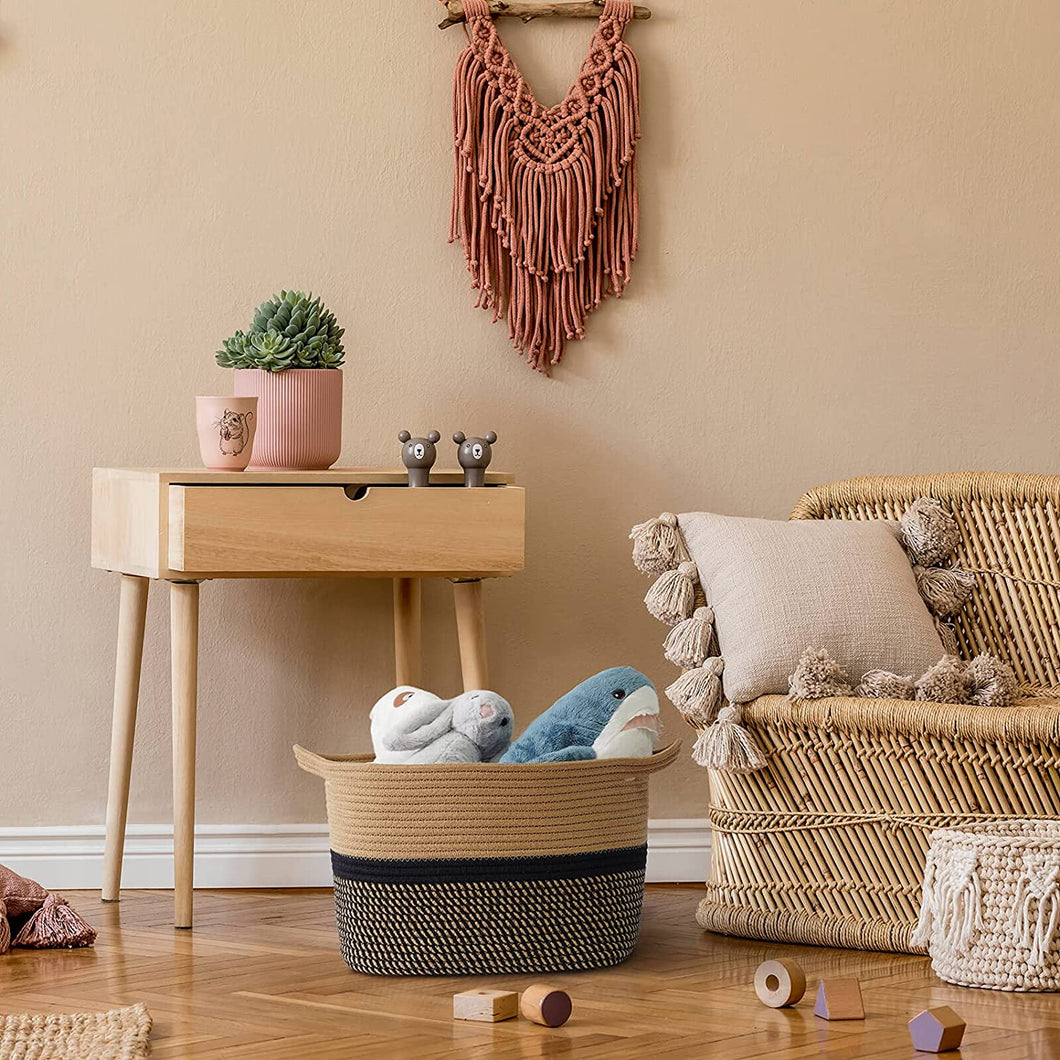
(486, 869)
(991, 907)
(827, 844)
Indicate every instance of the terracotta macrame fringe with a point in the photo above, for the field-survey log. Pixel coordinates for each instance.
(545, 200)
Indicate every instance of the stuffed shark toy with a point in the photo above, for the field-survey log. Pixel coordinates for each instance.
(614, 714)
(415, 726)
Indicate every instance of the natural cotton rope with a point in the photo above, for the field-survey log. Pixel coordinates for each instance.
(545, 200)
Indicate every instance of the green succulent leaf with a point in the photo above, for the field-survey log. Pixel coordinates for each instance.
(290, 330)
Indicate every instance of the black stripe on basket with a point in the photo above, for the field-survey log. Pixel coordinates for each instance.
(471, 870)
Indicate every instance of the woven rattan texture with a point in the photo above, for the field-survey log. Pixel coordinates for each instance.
(826, 845)
(467, 811)
(489, 928)
(121, 1034)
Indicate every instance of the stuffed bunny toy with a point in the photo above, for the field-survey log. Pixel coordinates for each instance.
(414, 726)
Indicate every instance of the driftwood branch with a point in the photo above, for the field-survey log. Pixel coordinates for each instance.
(527, 10)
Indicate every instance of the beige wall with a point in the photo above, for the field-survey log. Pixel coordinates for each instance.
(849, 265)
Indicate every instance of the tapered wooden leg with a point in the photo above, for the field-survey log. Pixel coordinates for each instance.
(471, 632)
(407, 612)
(132, 615)
(184, 639)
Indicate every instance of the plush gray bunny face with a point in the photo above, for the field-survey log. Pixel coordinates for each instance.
(486, 719)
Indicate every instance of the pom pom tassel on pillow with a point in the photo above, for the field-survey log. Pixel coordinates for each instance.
(818, 676)
(657, 544)
(692, 640)
(673, 595)
(945, 589)
(727, 746)
(929, 532)
(698, 693)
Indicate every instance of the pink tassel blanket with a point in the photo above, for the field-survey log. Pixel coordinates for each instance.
(545, 200)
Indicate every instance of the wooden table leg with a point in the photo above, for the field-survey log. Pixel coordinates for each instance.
(184, 640)
(407, 611)
(471, 632)
(132, 616)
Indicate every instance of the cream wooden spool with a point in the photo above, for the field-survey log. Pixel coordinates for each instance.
(780, 983)
(547, 1005)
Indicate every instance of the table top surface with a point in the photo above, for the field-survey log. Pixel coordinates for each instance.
(380, 476)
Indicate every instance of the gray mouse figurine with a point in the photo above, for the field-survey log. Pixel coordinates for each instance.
(474, 455)
(419, 455)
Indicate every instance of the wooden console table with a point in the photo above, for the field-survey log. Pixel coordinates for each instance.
(186, 527)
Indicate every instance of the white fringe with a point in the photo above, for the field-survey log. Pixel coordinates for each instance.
(1036, 910)
(951, 910)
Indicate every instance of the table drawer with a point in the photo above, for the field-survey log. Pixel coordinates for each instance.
(435, 530)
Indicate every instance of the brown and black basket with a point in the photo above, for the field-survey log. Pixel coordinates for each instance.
(486, 869)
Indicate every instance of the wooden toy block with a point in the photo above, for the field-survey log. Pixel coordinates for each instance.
(547, 1005)
(936, 1029)
(780, 983)
(839, 999)
(486, 1006)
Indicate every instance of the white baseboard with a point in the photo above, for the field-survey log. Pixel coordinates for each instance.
(264, 855)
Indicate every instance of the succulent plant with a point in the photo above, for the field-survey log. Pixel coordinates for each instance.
(291, 330)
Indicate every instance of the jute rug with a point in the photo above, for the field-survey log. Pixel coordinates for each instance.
(120, 1034)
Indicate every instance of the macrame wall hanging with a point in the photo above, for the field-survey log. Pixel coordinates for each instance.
(545, 199)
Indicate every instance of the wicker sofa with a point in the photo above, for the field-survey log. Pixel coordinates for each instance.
(826, 844)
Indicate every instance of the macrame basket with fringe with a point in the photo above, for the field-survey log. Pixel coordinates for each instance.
(825, 841)
(990, 913)
(487, 869)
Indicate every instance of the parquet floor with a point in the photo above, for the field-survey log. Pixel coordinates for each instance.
(261, 976)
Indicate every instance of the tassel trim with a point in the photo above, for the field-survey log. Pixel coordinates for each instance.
(55, 926)
(727, 746)
(673, 594)
(944, 589)
(692, 640)
(698, 693)
(657, 544)
(5, 929)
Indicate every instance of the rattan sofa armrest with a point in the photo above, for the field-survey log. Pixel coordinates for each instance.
(1027, 721)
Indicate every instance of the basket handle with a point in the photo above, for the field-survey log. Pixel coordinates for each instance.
(312, 763)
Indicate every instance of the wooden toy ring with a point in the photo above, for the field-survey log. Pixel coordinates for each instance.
(780, 983)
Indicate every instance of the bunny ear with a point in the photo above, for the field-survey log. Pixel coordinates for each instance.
(403, 436)
(459, 437)
(491, 436)
(433, 436)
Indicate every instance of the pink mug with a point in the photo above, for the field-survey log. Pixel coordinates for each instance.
(226, 431)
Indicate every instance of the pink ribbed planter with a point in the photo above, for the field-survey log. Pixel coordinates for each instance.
(299, 416)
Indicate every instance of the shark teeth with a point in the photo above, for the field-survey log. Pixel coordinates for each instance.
(642, 721)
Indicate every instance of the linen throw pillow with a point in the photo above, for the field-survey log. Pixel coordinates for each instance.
(778, 588)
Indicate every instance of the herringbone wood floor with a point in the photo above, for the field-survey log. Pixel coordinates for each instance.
(260, 976)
